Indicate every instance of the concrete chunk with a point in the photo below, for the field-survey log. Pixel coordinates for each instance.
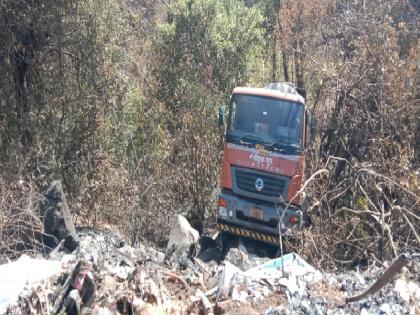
(182, 233)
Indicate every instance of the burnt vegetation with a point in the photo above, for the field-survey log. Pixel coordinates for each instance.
(119, 100)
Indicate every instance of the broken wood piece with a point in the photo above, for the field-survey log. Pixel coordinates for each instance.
(392, 270)
(175, 276)
(211, 292)
(200, 265)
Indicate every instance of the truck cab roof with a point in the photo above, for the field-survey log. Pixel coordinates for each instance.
(282, 91)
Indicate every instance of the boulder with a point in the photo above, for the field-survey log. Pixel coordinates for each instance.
(57, 219)
(182, 243)
(181, 234)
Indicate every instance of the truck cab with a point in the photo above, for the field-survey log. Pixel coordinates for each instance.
(263, 163)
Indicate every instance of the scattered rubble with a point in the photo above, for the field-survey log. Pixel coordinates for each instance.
(106, 276)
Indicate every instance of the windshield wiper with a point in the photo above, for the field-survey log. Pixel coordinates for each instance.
(283, 145)
(284, 142)
(248, 135)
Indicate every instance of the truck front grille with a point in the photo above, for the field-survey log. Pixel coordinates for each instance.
(274, 186)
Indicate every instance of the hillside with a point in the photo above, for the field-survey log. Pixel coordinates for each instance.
(119, 99)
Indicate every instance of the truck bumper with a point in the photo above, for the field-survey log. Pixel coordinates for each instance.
(241, 219)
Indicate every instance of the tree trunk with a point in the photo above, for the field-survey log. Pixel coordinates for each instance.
(21, 65)
(300, 83)
(285, 66)
(274, 59)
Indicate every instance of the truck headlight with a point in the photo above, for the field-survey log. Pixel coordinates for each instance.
(223, 212)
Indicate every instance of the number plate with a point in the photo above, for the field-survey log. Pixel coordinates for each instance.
(257, 213)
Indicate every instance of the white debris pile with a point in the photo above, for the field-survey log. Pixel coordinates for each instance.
(289, 272)
(105, 276)
(24, 273)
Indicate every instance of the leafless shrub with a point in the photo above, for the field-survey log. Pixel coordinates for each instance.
(21, 228)
(365, 215)
(365, 201)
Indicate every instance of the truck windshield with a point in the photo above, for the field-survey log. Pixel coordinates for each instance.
(273, 122)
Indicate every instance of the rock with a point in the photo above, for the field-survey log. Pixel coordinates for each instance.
(211, 254)
(234, 256)
(179, 257)
(57, 220)
(144, 252)
(182, 241)
(238, 258)
(70, 243)
(182, 233)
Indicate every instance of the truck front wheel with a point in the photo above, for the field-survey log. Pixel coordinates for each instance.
(226, 241)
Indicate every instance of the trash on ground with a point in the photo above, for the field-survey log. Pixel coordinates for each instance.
(104, 275)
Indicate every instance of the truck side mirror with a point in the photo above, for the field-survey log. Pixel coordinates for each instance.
(301, 91)
(221, 116)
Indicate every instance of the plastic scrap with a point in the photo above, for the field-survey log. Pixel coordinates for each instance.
(292, 264)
